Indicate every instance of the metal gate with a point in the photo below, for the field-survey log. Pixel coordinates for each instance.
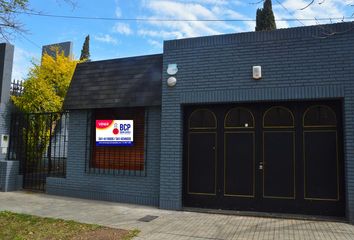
(39, 142)
(273, 157)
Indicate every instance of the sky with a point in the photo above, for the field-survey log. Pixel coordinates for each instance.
(117, 39)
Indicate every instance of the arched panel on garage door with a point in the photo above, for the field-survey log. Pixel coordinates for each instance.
(201, 159)
(239, 153)
(202, 119)
(320, 144)
(278, 153)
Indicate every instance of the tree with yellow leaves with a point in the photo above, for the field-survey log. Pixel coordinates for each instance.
(44, 91)
(46, 85)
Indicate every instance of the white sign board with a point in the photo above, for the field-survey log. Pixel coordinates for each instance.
(114, 132)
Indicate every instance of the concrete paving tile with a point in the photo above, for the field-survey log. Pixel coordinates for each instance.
(174, 224)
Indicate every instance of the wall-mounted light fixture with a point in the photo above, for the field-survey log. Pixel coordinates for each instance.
(171, 81)
(257, 72)
(172, 69)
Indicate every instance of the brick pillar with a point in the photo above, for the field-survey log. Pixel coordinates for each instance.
(8, 169)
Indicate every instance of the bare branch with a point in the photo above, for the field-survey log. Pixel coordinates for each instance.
(256, 3)
(72, 3)
(312, 1)
(328, 32)
(9, 10)
(3, 35)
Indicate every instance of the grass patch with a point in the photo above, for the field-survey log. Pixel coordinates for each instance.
(131, 234)
(15, 226)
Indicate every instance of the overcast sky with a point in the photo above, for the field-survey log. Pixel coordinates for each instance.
(115, 39)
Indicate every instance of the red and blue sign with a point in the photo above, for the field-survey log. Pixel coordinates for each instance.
(114, 132)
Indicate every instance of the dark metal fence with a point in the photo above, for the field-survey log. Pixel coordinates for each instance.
(16, 88)
(39, 142)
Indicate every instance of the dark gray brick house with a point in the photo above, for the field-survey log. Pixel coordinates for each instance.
(220, 139)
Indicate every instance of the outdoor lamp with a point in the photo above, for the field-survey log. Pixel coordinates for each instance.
(171, 81)
(172, 69)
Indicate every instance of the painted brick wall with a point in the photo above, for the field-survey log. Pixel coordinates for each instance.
(5, 117)
(132, 189)
(8, 169)
(9, 180)
(297, 63)
(6, 62)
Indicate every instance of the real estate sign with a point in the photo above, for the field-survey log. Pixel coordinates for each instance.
(114, 132)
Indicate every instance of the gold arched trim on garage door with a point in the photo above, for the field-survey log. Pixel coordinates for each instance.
(245, 110)
(331, 117)
(207, 112)
(278, 125)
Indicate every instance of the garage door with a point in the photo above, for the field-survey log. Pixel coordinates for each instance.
(272, 157)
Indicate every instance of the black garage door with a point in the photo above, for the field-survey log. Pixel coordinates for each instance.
(272, 157)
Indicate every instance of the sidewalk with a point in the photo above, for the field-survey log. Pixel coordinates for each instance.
(172, 224)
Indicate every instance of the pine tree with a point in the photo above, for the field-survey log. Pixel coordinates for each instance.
(259, 20)
(265, 17)
(85, 52)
